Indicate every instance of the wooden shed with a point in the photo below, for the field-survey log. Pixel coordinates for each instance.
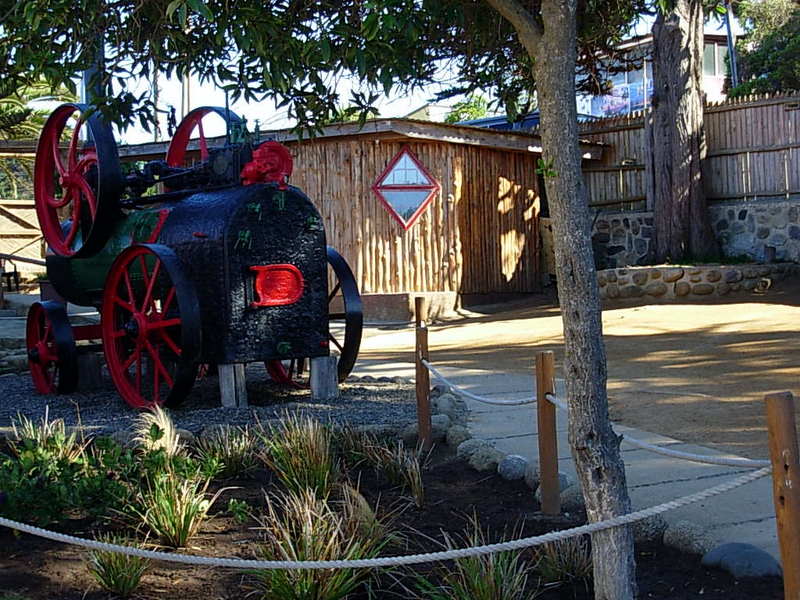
(477, 240)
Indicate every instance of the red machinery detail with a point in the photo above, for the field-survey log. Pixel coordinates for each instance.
(271, 163)
(277, 285)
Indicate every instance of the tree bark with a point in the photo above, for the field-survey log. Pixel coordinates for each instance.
(676, 137)
(595, 447)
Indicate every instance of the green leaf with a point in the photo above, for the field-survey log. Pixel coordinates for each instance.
(325, 49)
(173, 6)
(369, 28)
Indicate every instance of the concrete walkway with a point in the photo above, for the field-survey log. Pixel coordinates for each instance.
(745, 514)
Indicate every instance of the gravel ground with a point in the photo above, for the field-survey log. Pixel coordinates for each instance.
(364, 401)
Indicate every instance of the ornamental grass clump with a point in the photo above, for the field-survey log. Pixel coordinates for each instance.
(233, 448)
(173, 507)
(155, 431)
(565, 560)
(400, 466)
(117, 573)
(299, 525)
(299, 452)
(497, 576)
(47, 435)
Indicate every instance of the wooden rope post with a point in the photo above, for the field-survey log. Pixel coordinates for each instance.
(546, 427)
(784, 455)
(423, 378)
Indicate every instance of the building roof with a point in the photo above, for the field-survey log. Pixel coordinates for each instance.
(516, 141)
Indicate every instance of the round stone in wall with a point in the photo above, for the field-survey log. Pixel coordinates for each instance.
(671, 275)
(702, 289)
(656, 288)
(682, 288)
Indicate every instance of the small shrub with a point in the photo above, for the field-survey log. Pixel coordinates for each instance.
(174, 507)
(234, 449)
(302, 526)
(299, 453)
(154, 430)
(498, 576)
(564, 560)
(117, 573)
(239, 510)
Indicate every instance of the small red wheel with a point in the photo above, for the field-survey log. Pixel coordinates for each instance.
(151, 327)
(76, 191)
(176, 152)
(288, 372)
(51, 349)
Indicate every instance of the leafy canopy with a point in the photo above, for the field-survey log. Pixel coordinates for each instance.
(474, 107)
(769, 57)
(292, 51)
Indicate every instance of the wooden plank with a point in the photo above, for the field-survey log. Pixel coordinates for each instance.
(785, 458)
(547, 438)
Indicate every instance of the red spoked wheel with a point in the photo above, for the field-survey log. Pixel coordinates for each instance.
(151, 327)
(345, 312)
(178, 146)
(288, 372)
(77, 188)
(52, 358)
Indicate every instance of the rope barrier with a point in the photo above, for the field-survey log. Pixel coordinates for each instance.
(392, 561)
(690, 456)
(462, 392)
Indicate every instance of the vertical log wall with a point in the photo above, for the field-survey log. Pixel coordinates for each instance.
(479, 235)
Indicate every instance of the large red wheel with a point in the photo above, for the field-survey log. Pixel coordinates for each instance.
(151, 327)
(51, 349)
(178, 146)
(76, 189)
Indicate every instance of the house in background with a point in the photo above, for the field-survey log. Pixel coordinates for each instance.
(633, 90)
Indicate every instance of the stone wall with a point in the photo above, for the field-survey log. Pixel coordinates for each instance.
(622, 239)
(749, 228)
(665, 283)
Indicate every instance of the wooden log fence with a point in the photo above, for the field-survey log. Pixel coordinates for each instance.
(753, 152)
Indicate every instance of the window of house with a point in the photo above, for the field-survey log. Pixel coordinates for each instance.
(405, 188)
(714, 56)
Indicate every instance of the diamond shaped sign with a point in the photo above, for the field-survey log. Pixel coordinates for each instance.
(406, 188)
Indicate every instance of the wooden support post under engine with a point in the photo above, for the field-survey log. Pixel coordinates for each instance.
(232, 385)
(323, 378)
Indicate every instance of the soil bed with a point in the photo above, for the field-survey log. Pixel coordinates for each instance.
(38, 569)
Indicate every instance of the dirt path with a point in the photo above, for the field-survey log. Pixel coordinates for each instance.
(695, 372)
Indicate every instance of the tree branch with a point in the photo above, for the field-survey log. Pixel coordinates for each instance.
(528, 29)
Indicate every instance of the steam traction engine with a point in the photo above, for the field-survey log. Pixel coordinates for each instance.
(220, 262)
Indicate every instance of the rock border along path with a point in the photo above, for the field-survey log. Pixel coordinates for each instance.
(744, 515)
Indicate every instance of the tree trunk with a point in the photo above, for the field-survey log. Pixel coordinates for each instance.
(595, 447)
(676, 137)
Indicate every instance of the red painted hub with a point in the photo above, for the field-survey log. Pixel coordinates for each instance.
(62, 182)
(141, 325)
